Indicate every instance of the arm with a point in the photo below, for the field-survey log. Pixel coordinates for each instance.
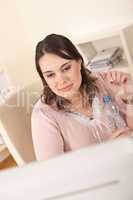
(46, 135)
(116, 80)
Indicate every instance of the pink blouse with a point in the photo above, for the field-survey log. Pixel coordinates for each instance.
(55, 132)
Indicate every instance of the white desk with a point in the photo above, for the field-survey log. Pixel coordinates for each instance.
(100, 172)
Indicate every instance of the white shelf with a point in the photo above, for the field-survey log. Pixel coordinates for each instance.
(122, 66)
(120, 35)
(98, 35)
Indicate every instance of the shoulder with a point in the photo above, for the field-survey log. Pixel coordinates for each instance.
(43, 111)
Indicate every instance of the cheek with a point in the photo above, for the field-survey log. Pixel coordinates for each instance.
(77, 75)
(50, 83)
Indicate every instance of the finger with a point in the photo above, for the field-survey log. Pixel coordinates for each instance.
(125, 129)
(119, 132)
(109, 77)
(118, 77)
(121, 77)
(103, 74)
(114, 76)
(124, 78)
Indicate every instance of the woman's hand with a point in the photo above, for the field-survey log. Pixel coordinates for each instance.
(116, 77)
(119, 85)
(120, 133)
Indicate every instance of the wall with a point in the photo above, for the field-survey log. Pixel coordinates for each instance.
(23, 23)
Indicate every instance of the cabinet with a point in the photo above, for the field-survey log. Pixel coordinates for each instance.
(121, 36)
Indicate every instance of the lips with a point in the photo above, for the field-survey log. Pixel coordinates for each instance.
(66, 88)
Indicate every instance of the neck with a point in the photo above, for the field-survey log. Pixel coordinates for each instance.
(78, 102)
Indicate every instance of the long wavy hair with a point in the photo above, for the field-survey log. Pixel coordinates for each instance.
(64, 48)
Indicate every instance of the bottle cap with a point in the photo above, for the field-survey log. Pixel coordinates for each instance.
(106, 99)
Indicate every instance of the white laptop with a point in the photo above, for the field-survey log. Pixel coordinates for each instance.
(101, 172)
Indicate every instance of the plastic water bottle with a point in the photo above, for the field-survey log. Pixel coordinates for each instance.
(114, 118)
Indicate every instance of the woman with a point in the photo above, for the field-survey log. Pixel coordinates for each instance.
(68, 115)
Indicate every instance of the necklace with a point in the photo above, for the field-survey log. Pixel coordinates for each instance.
(87, 113)
(90, 116)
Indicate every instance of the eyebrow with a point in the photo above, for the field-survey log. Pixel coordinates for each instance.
(60, 67)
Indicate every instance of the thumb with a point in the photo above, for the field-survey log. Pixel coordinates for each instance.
(120, 131)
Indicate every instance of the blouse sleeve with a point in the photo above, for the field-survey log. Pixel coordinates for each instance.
(47, 139)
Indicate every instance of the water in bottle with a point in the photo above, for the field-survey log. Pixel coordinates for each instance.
(114, 118)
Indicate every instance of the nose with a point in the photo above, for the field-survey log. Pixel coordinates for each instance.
(61, 80)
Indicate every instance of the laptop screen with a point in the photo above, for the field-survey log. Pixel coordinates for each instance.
(99, 172)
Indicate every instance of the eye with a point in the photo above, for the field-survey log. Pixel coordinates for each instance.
(66, 68)
(50, 75)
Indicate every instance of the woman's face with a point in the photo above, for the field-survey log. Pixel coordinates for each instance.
(63, 76)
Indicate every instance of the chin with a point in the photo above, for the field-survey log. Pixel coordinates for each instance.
(69, 95)
(66, 96)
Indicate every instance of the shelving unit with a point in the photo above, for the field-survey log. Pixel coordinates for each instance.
(4, 153)
(121, 36)
(6, 90)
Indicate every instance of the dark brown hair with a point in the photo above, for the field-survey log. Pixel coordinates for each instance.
(64, 48)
